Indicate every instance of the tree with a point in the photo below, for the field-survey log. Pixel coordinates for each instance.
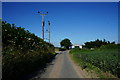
(113, 42)
(65, 43)
(97, 43)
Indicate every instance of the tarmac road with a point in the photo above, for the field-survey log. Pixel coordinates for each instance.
(61, 67)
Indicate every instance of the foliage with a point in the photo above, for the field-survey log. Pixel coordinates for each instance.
(65, 43)
(105, 58)
(97, 43)
(62, 49)
(22, 51)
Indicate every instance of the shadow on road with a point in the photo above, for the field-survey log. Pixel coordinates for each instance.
(39, 70)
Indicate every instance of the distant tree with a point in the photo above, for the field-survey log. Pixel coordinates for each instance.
(113, 42)
(65, 43)
(108, 42)
(97, 43)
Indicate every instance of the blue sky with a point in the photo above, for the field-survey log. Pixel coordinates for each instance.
(0, 9)
(78, 21)
(60, 0)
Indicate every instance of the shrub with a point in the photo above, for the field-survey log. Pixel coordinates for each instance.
(22, 52)
(62, 49)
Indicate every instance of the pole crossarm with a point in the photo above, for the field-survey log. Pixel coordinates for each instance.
(42, 14)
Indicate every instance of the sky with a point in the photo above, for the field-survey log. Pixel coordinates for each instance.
(78, 21)
(0, 9)
(60, 0)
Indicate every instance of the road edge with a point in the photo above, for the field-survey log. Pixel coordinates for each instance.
(81, 73)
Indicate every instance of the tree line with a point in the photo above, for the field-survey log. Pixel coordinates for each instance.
(66, 43)
(97, 43)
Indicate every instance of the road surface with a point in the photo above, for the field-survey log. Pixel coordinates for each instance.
(61, 67)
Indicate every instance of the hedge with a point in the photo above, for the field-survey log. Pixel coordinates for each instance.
(22, 52)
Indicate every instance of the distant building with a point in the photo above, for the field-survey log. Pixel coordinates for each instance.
(77, 46)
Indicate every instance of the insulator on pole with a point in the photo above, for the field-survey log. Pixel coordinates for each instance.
(49, 23)
(43, 23)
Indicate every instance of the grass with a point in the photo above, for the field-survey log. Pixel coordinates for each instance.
(88, 67)
(103, 61)
(56, 49)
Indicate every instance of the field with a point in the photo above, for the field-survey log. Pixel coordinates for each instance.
(106, 59)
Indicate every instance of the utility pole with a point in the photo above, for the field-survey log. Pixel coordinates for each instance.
(49, 31)
(43, 23)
